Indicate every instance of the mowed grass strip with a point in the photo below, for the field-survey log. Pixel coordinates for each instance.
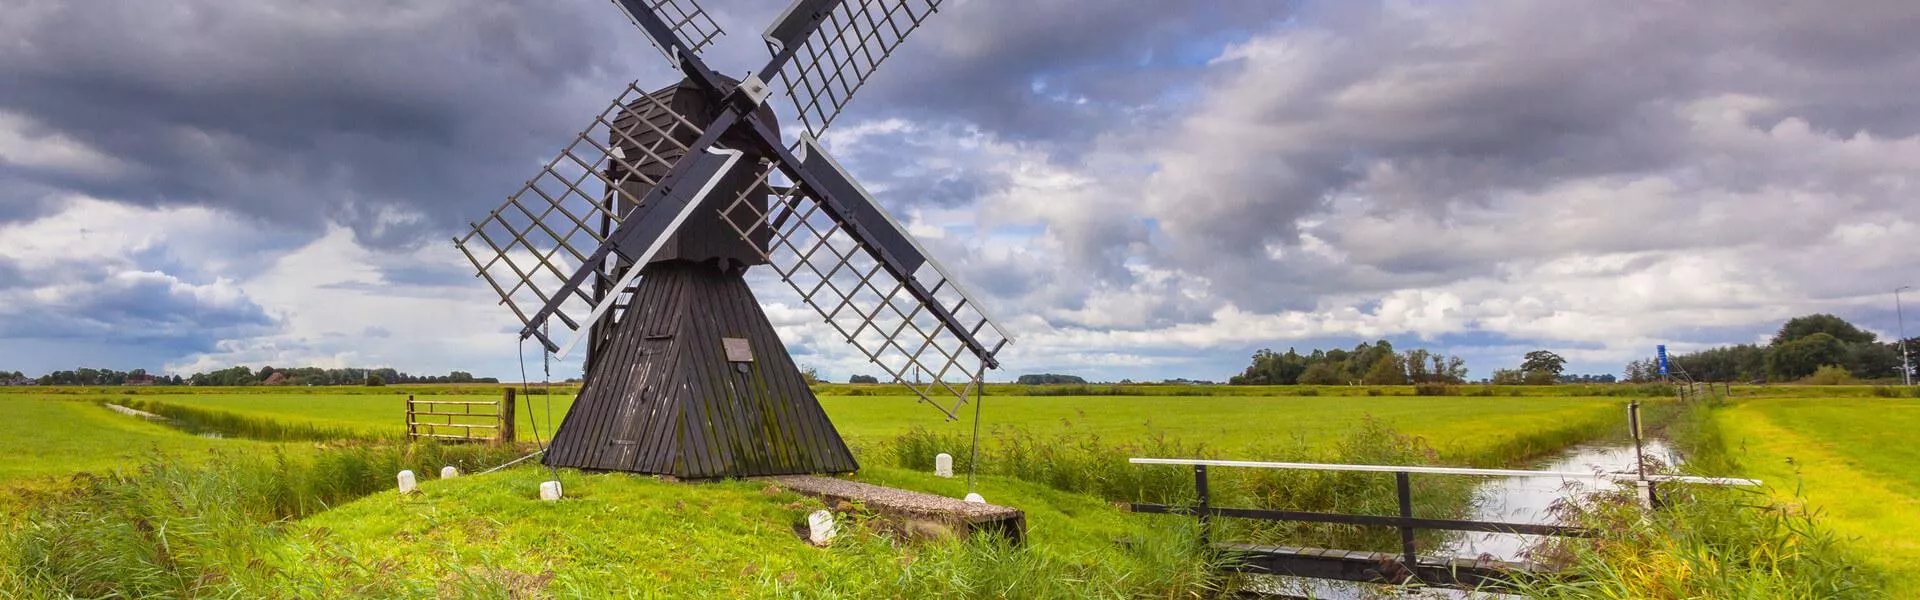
(1871, 434)
(1829, 452)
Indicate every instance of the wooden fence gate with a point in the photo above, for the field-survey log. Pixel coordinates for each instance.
(462, 420)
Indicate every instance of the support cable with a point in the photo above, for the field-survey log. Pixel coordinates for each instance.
(979, 397)
(527, 397)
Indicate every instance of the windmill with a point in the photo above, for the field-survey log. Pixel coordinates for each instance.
(636, 240)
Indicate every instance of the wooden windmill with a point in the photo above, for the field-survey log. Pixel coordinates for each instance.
(637, 237)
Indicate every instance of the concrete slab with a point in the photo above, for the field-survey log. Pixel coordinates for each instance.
(915, 513)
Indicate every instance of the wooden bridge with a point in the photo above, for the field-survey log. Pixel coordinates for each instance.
(1380, 567)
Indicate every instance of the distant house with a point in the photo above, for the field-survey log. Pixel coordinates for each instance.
(276, 378)
(18, 381)
(139, 380)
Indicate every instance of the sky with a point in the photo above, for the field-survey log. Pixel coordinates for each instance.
(1138, 190)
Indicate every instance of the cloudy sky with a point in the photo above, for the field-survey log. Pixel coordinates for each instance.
(1138, 189)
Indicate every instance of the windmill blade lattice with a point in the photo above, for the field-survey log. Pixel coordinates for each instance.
(832, 62)
(687, 20)
(834, 260)
(554, 224)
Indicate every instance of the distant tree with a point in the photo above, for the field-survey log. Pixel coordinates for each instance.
(1420, 364)
(810, 374)
(1050, 379)
(1322, 373)
(1802, 327)
(1873, 360)
(863, 379)
(1636, 372)
(1508, 377)
(1792, 360)
(1539, 378)
(374, 380)
(1545, 361)
(1387, 370)
(1450, 369)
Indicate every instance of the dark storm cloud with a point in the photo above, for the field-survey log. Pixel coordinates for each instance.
(979, 62)
(1432, 110)
(11, 276)
(21, 201)
(294, 112)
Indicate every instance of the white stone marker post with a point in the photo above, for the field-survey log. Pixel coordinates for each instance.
(820, 527)
(976, 498)
(943, 465)
(407, 483)
(550, 490)
(449, 472)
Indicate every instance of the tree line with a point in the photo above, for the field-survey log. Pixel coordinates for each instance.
(241, 376)
(1801, 348)
(1368, 364)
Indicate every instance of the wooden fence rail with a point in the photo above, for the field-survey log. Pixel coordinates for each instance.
(470, 421)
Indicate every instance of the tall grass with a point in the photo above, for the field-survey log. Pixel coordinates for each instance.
(178, 529)
(1088, 464)
(1705, 542)
(227, 424)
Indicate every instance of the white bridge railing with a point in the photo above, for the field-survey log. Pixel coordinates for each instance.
(1603, 475)
(1205, 511)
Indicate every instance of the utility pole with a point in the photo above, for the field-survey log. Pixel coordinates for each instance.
(1900, 316)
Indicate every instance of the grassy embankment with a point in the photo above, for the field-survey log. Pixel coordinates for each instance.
(1821, 528)
(223, 541)
(1853, 461)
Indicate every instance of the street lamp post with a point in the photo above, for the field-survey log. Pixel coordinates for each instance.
(1900, 316)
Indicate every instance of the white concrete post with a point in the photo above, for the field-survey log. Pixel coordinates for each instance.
(820, 527)
(550, 490)
(943, 465)
(407, 483)
(449, 472)
(976, 498)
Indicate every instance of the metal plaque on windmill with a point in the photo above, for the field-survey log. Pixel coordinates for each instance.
(634, 242)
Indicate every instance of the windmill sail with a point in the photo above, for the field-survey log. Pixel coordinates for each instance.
(872, 283)
(689, 23)
(559, 223)
(831, 61)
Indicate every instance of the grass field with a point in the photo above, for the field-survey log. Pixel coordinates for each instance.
(50, 438)
(1456, 425)
(1849, 453)
(1854, 460)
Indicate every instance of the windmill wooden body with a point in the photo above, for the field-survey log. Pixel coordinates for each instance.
(636, 240)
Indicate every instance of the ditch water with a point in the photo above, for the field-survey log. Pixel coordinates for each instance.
(1501, 499)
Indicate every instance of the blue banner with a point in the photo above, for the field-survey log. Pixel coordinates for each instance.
(1663, 359)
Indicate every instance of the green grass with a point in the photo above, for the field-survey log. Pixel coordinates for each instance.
(261, 524)
(367, 414)
(1851, 460)
(47, 439)
(1457, 426)
(173, 530)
